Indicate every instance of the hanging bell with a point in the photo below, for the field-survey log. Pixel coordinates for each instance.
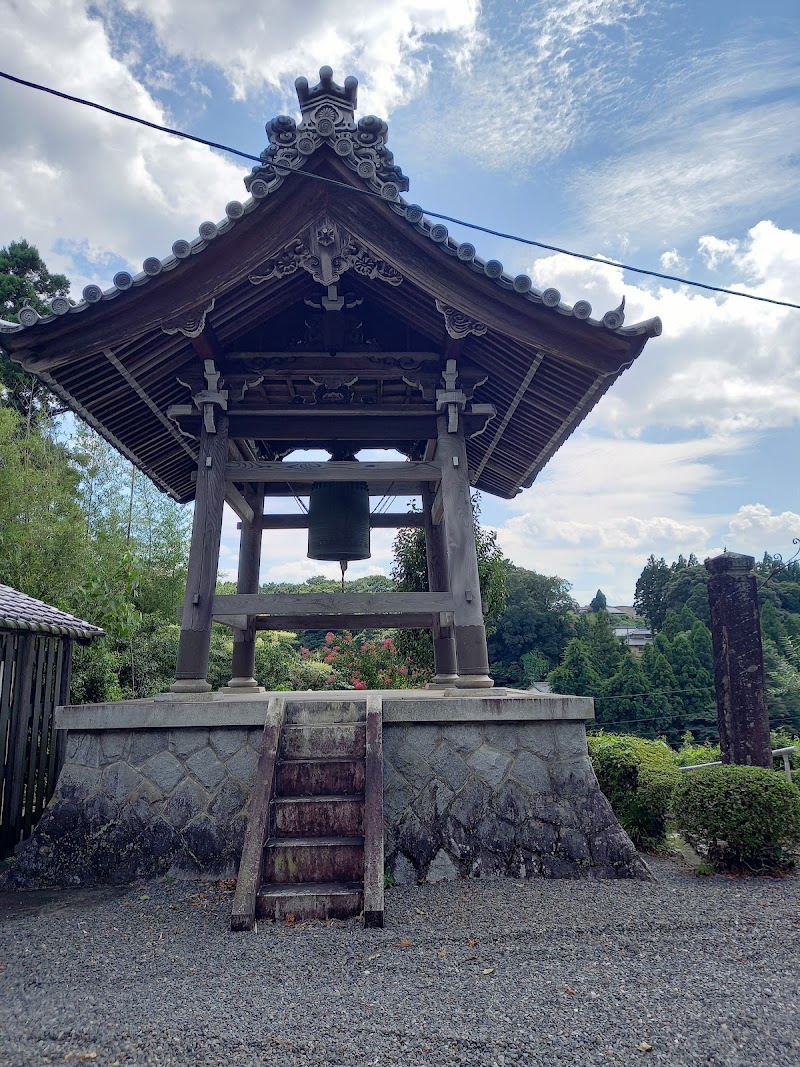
(338, 521)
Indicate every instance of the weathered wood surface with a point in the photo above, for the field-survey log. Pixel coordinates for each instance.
(387, 520)
(334, 471)
(373, 815)
(34, 678)
(335, 605)
(201, 580)
(244, 642)
(235, 500)
(299, 365)
(248, 881)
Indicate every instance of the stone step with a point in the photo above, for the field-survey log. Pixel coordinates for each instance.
(325, 741)
(310, 900)
(314, 859)
(319, 777)
(314, 712)
(322, 816)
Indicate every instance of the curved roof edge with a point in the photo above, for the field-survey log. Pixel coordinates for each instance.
(18, 611)
(328, 119)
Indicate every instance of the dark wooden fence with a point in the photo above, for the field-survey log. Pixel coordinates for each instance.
(34, 679)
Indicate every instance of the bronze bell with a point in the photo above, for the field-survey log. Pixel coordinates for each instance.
(338, 521)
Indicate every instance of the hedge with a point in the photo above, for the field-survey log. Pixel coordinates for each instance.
(740, 818)
(638, 777)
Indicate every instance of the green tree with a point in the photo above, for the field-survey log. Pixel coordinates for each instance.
(410, 574)
(694, 699)
(608, 650)
(624, 700)
(576, 674)
(598, 601)
(25, 281)
(649, 598)
(537, 620)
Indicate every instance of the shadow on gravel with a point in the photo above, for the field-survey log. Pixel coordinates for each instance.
(53, 901)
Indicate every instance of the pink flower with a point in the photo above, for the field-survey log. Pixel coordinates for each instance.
(358, 684)
(305, 652)
(331, 680)
(403, 670)
(329, 658)
(388, 643)
(329, 638)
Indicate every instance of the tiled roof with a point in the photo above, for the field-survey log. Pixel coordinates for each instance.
(328, 119)
(21, 612)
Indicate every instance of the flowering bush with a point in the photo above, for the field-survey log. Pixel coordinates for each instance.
(369, 665)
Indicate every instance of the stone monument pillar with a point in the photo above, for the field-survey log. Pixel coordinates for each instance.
(738, 661)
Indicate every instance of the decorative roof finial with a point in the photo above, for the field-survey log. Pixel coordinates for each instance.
(328, 120)
(344, 97)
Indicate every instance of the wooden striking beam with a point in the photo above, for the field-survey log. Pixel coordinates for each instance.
(387, 520)
(333, 471)
(331, 604)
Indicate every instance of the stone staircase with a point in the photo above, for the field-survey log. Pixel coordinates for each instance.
(314, 860)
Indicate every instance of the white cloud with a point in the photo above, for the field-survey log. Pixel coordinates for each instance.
(87, 188)
(755, 527)
(715, 251)
(724, 365)
(536, 80)
(388, 44)
(672, 260)
(710, 144)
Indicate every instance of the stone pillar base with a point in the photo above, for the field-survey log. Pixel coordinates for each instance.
(474, 681)
(238, 687)
(442, 681)
(190, 685)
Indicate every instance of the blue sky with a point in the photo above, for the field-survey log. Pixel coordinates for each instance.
(662, 133)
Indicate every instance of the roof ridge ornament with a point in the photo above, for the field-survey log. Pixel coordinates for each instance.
(328, 118)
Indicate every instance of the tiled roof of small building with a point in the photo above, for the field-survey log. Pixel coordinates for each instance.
(21, 612)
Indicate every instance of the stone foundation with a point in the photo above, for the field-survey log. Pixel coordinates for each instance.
(475, 784)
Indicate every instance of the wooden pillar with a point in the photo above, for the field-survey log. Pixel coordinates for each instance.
(244, 641)
(462, 559)
(444, 645)
(742, 713)
(198, 606)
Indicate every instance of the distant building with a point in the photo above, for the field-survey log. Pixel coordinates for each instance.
(634, 637)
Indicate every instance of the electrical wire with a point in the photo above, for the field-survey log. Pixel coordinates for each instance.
(376, 196)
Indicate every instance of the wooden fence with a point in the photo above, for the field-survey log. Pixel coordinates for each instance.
(34, 679)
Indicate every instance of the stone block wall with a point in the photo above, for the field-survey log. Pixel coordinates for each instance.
(138, 803)
(506, 798)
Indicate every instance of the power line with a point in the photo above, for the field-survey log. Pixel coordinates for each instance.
(376, 196)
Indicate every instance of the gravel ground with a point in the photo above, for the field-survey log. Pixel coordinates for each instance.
(687, 971)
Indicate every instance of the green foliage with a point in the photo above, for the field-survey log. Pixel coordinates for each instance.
(25, 280)
(410, 574)
(692, 752)
(537, 620)
(577, 673)
(739, 818)
(598, 601)
(534, 668)
(638, 777)
(608, 650)
(95, 674)
(623, 697)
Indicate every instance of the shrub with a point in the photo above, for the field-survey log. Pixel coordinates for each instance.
(639, 778)
(739, 818)
(691, 752)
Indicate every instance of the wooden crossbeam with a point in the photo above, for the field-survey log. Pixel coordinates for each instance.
(332, 605)
(419, 620)
(333, 471)
(388, 520)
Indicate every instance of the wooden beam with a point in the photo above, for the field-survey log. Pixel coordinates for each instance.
(512, 407)
(235, 500)
(367, 364)
(332, 471)
(331, 604)
(419, 620)
(387, 520)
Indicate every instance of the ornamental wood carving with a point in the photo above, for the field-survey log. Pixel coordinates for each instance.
(326, 251)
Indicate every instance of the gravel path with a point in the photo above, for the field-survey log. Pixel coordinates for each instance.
(688, 971)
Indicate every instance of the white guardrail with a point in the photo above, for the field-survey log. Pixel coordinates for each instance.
(782, 752)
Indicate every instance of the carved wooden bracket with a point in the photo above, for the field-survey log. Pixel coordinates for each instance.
(458, 324)
(190, 323)
(326, 251)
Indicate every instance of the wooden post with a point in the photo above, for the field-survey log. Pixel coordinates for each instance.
(738, 661)
(444, 645)
(244, 641)
(462, 558)
(190, 676)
